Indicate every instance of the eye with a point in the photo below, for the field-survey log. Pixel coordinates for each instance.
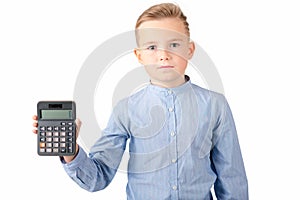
(174, 45)
(152, 47)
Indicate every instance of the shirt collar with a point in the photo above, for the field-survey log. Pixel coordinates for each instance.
(168, 91)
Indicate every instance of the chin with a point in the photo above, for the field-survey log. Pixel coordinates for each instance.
(170, 78)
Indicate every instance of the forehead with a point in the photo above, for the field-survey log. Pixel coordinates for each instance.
(161, 30)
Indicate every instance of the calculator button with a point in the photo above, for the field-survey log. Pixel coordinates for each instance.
(48, 150)
(49, 128)
(70, 149)
(56, 128)
(70, 128)
(48, 144)
(70, 139)
(42, 133)
(49, 139)
(63, 123)
(62, 144)
(49, 134)
(63, 128)
(56, 139)
(42, 150)
(42, 128)
(70, 133)
(55, 150)
(70, 123)
(42, 144)
(55, 145)
(56, 134)
(62, 139)
(63, 150)
(42, 139)
(62, 133)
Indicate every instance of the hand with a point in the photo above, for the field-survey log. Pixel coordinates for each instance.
(78, 125)
(35, 124)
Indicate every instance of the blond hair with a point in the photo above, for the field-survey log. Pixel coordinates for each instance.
(161, 11)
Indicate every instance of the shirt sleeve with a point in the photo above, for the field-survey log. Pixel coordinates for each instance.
(95, 171)
(227, 159)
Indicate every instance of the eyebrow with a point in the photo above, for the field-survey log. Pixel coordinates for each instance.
(175, 39)
(155, 42)
(150, 42)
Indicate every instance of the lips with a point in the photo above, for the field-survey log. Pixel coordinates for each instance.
(166, 67)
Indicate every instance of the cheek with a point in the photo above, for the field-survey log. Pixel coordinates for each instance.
(182, 69)
(181, 65)
(150, 70)
(146, 59)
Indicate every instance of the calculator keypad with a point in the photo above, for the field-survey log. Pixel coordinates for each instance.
(56, 138)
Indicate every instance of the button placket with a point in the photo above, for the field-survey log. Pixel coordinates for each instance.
(173, 142)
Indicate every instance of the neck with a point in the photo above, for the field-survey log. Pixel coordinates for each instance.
(169, 84)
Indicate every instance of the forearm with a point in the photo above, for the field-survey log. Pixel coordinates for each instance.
(87, 173)
(228, 163)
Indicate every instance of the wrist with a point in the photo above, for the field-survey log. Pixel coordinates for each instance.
(68, 159)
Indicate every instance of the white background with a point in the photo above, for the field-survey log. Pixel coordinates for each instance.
(254, 45)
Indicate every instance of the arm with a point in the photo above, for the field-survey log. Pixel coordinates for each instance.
(95, 171)
(227, 159)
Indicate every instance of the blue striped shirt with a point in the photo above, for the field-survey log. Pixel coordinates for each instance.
(182, 141)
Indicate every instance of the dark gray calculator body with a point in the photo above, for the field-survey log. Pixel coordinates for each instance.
(56, 128)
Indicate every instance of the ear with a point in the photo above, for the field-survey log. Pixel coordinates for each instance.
(191, 50)
(137, 53)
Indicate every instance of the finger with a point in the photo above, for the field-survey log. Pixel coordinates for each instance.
(35, 117)
(35, 124)
(34, 131)
(78, 123)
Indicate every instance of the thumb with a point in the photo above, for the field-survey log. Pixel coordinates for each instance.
(78, 126)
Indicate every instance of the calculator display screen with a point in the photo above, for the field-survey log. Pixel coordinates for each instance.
(56, 114)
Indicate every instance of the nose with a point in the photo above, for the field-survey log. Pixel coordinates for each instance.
(164, 55)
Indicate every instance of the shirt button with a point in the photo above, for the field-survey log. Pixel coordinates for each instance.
(173, 160)
(172, 133)
(171, 109)
(174, 187)
(169, 91)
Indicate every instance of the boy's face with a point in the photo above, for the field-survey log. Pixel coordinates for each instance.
(164, 49)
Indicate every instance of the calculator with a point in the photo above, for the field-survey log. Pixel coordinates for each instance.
(56, 128)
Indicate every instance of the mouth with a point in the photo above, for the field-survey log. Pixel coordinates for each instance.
(166, 67)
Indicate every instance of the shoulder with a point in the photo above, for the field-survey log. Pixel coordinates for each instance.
(208, 95)
(132, 100)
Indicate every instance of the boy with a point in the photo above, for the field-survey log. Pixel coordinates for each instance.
(182, 137)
